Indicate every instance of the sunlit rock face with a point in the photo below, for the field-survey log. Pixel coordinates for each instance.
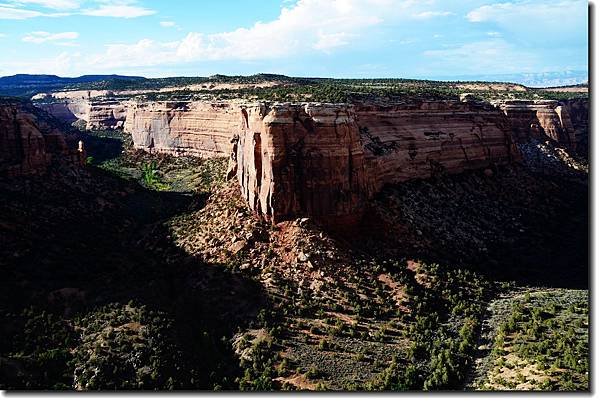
(28, 143)
(98, 114)
(193, 128)
(327, 161)
(564, 122)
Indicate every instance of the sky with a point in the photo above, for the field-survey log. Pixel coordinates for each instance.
(432, 39)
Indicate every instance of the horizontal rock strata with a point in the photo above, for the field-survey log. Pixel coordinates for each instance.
(29, 143)
(564, 122)
(327, 161)
(194, 128)
(98, 114)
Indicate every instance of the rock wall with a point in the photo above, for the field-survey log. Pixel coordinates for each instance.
(194, 128)
(328, 161)
(29, 143)
(98, 114)
(301, 161)
(564, 122)
(578, 112)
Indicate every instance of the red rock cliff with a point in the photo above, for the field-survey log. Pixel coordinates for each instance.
(327, 161)
(28, 143)
(564, 122)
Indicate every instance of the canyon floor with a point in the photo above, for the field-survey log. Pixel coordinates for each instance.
(145, 271)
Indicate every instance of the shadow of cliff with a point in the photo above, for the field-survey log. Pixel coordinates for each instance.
(515, 226)
(102, 148)
(99, 240)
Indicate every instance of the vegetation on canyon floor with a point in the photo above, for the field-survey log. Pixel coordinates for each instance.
(539, 341)
(154, 275)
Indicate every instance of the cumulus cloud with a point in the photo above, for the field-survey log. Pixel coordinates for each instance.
(42, 37)
(22, 9)
(145, 52)
(510, 34)
(306, 26)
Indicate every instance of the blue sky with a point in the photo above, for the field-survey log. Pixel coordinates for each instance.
(337, 38)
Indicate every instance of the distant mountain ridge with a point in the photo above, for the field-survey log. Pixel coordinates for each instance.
(532, 80)
(29, 84)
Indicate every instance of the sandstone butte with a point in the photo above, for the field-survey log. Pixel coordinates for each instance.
(328, 160)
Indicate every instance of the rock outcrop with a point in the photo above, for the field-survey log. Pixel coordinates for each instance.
(193, 128)
(107, 114)
(563, 122)
(29, 143)
(328, 161)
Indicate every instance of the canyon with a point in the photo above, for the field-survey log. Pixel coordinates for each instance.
(297, 244)
(328, 160)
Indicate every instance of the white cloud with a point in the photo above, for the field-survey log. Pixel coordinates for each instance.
(546, 12)
(537, 24)
(306, 26)
(118, 9)
(19, 9)
(145, 52)
(42, 37)
(11, 13)
(53, 4)
(329, 41)
(431, 14)
(59, 65)
(542, 17)
(491, 56)
(314, 26)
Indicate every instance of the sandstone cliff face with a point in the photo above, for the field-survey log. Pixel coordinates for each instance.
(106, 115)
(564, 122)
(577, 111)
(327, 161)
(102, 115)
(297, 160)
(28, 144)
(194, 128)
(420, 139)
(66, 111)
